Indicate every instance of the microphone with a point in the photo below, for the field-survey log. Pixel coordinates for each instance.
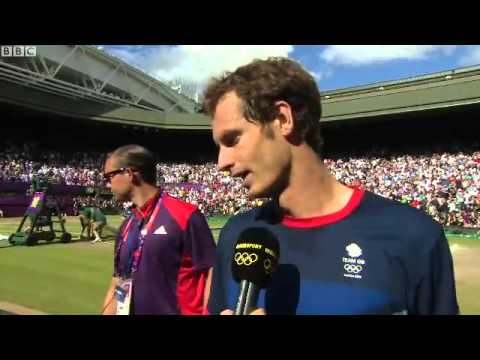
(254, 260)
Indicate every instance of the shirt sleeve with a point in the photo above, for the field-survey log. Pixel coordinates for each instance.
(436, 293)
(199, 243)
(198, 256)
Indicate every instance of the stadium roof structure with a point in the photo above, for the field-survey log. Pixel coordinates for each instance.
(85, 82)
(457, 87)
(84, 75)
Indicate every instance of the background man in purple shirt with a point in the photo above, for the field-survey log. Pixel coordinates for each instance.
(165, 247)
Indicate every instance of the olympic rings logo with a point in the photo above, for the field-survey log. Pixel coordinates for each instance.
(353, 268)
(245, 258)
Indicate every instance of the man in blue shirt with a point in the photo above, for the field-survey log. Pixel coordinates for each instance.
(343, 250)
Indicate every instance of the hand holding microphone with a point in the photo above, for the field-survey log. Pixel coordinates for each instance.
(254, 260)
(259, 311)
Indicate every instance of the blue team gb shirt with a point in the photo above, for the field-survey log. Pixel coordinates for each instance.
(375, 256)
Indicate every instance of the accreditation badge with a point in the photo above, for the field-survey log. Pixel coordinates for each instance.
(123, 295)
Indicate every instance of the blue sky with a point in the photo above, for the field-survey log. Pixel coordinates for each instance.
(334, 66)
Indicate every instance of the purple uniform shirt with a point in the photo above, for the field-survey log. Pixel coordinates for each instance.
(178, 250)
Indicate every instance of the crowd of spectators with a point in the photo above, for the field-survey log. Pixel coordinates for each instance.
(445, 184)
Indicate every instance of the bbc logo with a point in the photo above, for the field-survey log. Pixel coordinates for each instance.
(18, 51)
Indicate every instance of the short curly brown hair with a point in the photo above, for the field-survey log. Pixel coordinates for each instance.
(261, 83)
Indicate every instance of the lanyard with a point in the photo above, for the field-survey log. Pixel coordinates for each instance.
(134, 255)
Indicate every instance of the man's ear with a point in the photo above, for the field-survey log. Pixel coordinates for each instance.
(135, 178)
(284, 118)
(286, 123)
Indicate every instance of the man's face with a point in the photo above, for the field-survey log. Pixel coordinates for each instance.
(121, 184)
(258, 154)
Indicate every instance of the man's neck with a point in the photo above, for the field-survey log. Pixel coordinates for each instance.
(312, 191)
(143, 193)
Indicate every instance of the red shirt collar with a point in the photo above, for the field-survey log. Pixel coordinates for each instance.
(147, 209)
(352, 205)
